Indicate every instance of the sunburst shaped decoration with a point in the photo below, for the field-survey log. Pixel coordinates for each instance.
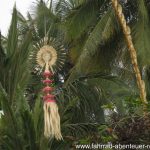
(51, 56)
(54, 50)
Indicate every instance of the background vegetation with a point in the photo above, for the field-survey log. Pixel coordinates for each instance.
(96, 90)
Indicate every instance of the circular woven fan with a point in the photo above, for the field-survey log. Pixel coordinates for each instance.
(53, 52)
(46, 52)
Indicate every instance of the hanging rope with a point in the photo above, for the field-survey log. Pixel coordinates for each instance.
(127, 32)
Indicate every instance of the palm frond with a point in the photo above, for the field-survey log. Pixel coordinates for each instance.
(103, 32)
(15, 66)
(2, 53)
(64, 7)
(12, 35)
(141, 33)
(10, 126)
(82, 18)
(29, 131)
(45, 19)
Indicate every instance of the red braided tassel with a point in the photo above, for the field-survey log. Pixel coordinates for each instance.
(51, 115)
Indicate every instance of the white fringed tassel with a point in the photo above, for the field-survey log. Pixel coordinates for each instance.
(52, 121)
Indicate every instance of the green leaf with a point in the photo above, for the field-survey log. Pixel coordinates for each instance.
(12, 35)
(82, 17)
(141, 33)
(100, 34)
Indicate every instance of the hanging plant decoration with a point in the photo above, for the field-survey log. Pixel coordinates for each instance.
(51, 57)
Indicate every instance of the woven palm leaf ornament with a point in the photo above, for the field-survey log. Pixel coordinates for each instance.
(51, 57)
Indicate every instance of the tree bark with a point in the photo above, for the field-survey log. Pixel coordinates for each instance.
(127, 33)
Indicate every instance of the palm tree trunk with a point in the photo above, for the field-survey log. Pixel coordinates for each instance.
(127, 33)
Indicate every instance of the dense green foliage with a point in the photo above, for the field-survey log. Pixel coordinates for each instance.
(98, 101)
